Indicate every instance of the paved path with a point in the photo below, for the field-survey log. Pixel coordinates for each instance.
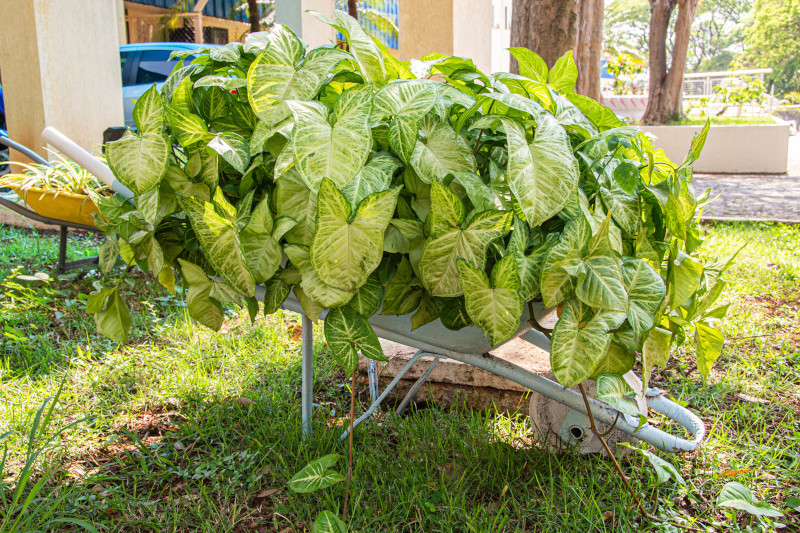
(758, 196)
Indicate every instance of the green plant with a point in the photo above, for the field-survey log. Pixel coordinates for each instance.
(429, 189)
(60, 175)
(34, 508)
(316, 476)
(792, 98)
(748, 91)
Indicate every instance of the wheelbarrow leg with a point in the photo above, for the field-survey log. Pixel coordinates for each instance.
(62, 250)
(307, 383)
(415, 388)
(372, 374)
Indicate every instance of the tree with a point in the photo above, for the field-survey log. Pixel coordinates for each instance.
(772, 39)
(666, 85)
(352, 8)
(589, 47)
(548, 27)
(252, 12)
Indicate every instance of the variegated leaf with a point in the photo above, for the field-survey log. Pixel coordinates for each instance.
(346, 249)
(293, 198)
(406, 103)
(403, 292)
(316, 475)
(273, 77)
(580, 341)
(440, 151)
(261, 241)
(367, 54)
(556, 283)
(542, 175)
(349, 333)
(655, 351)
(615, 391)
(617, 360)
(148, 113)
(313, 287)
(139, 161)
(496, 306)
(646, 293)
(368, 298)
(335, 151)
(220, 243)
(190, 129)
(375, 176)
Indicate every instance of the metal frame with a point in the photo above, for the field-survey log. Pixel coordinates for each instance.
(63, 265)
(604, 414)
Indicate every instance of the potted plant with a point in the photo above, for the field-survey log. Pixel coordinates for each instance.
(60, 190)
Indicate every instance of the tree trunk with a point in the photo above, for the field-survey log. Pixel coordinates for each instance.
(589, 47)
(666, 87)
(352, 8)
(255, 21)
(548, 27)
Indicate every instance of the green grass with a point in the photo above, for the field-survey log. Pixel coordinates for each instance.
(723, 121)
(192, 430)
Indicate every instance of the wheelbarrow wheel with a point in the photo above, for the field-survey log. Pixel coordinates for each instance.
(558, 427)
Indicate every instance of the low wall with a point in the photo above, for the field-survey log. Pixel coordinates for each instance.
(747, 149)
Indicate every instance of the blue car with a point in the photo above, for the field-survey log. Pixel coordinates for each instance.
(145, 63)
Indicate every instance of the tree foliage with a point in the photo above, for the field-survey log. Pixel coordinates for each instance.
(772, 39)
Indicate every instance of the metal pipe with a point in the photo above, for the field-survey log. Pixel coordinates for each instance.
(67, 146)
(307, 381)
(415, 387)
(24, 150)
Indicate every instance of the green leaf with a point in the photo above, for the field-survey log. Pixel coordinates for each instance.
(201, 306)
(190, 129)
(148, 113)
(220, 243)
(698, 141)
(646, 293)
(275, 293)
(316, 475)
(406, 103)
(564, 74)
(368, 298)
(737, 496)
(338, 150)
(617, 360)
(114, 319)
(602, 117)
(664, 470)
(233, 149)
(426, 312)
(367, 54)
(317, 290)
(348, 333)
(615, 391)
(542, 175)
(346, 249)
(556, 283)
(580, 340)
(531, 65)
(139, 162)
(261, 242)
(453, 312)
(600, 284)
(496, 306)
(708, 344)
(623, 207)
(108, 255)
(327, 522)
(627, 176)
(655, 352)
(440, 151)
(294, 199)
(273, 78)
(404, 291)
(685, 277)
(447, 242)
(374, 177)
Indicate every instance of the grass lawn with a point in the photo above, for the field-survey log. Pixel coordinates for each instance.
(185, 429)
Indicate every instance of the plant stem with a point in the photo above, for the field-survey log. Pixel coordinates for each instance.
(350, 444)
(600, 436)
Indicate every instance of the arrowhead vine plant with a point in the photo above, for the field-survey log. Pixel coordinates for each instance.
(360, 184)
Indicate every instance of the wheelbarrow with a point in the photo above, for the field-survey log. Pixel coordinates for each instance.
(562, 410)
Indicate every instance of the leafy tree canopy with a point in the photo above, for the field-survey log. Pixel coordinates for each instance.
(772, 39)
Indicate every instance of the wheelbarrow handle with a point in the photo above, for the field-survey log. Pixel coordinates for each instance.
(657, 401)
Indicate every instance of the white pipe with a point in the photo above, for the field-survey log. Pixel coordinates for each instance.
(67, 146)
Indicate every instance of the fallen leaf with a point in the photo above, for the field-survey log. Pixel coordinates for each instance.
(751, 399)
(607, 515)
(266, 493)
(241, 400)
(730, 473)
(178, 446)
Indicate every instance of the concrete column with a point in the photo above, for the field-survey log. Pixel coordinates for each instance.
(292, 13)
(450, 27)
(61, 68)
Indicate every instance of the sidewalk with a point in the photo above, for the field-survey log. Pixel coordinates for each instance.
(756, 196)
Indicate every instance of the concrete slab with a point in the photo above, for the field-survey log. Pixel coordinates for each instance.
(455, 383)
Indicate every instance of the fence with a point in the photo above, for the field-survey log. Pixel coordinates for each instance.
(701, 84)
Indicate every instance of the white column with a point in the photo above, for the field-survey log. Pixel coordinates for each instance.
(292, 13)
(61, 68)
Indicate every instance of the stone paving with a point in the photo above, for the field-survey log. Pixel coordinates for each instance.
(753, 197)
